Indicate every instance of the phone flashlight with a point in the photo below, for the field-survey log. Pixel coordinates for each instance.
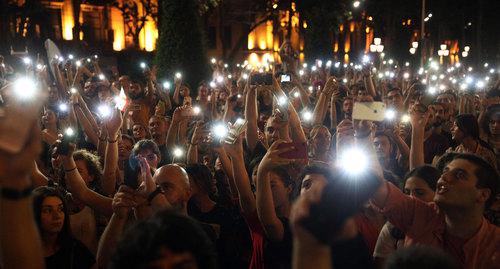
(406, 75)
(196, 110)
(296, 94)
(63, 107)
(68, 136)
(143, 65)
(301, 72)
(71, 57)
(320, 63)
(78, 63)
(26, 61)
(307, 115)
(220, 130)
(220, 79)
(102, 77)
(212, 84)
(104, 111)
(178, 152)
(178, 75)
(328, 63)
(353, 161)
(390, 114)
(213, 60)
(166, 85)
(25, 88)
(39, 67)
(88, 60)
(282, 100)
(405, 118)
(244, 76)
(73, 90)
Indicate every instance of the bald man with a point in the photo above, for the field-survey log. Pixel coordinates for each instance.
(174, 181)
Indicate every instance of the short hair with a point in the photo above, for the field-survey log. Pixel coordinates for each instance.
(467, 123)
(445, 160)
(315, 129)
(427, 173)
(201, 175)
(316, 169)
(487, 175)
(416, 257)
(395, 89)
(143, 243)
(93, 165)
(39, 195)
(129, 138)
(284, 176)
(144, 145)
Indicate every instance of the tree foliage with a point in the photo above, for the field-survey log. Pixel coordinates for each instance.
(135, 15)
(181, 43)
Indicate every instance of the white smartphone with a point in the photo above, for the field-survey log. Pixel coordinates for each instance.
(374, 111)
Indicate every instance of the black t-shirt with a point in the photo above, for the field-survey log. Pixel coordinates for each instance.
(166, 157)
(233, 243)
(73, 255)
(279, 254)
(352, 254)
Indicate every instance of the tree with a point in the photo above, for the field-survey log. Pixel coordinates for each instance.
(181, 42)
(136, 15)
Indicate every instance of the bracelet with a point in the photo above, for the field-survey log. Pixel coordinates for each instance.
(112, 141)
(12, 194)
(152, 195)
(70, 170)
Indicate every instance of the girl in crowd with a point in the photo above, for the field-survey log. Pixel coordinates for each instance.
(60, 248)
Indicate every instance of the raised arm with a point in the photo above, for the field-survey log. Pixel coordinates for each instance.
(418, 122)
(273, 227)
(20, 244)
(296, 131)
(251, 115)
(76, 185)
(240, 176)
(112, 124)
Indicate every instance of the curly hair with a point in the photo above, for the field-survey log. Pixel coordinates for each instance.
(93, 165)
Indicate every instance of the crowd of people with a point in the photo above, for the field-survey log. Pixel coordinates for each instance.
(279, 165)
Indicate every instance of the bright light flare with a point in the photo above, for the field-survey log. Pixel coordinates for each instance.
(405, 118)
(307, 115)
(104, 111)
(69, 131)
(178, 152)
(178, 75)
(354, 161)
(220, 130)
(25, 88)
(390, 114)
(63, 107)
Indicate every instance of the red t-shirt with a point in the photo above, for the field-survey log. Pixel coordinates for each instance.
(257, 234)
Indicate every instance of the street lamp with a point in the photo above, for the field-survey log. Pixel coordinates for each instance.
(414, 46)
(356, 4)
(377, 46)
(465, 53)
(443, 52)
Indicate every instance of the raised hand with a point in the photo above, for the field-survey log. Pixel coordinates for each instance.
(113, 123)
(272, 158)
(123, 201)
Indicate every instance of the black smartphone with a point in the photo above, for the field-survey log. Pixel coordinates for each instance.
(131, 172)
(261, 79)
(340, 199)
(69, 136)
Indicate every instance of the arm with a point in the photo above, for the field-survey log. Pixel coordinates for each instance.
(19, 236)
(333, 113)
(241, 179)
(79, 189)
(296, 131)
(251, 135)
(264, 198)
(123, 202)
(113, 125)
(367, 79)
(418, 122)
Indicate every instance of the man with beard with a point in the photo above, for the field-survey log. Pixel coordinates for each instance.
(394, 100)
(347, 106)
(158, 127)
(141, 99)
(435, 144)
(441, 120)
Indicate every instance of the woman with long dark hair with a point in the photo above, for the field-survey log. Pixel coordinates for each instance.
(60, 248)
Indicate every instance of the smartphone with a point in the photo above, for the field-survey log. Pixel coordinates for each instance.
(373, 111)
(131, 172)
(63, 148)
(235, 131)
(299, 150)
(261, 79)
(285, 78)
(16, 119)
